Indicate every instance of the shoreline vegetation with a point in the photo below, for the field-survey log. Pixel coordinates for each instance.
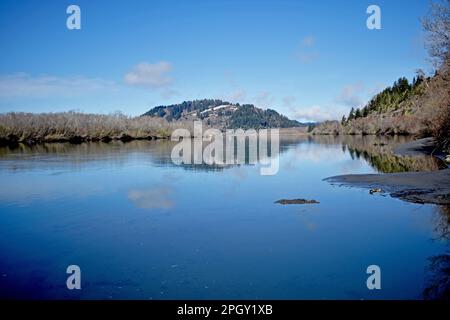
(76, 127)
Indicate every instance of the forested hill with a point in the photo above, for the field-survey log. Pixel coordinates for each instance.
(415, 107)
(223, 114)
(390, 99)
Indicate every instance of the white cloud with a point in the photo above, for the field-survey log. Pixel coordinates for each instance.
(318, 113)
(150, 75)
(350, 95)
(237, 96)
(308, 41)
(288, 101)
(264, 99)
(308, 57)
(27, 86)
(377, 88)
(306, 53)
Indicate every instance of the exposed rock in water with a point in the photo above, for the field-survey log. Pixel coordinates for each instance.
(375, 190)
(296, 201)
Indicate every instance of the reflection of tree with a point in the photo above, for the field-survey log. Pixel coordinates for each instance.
(158, 153)
(378, 152)
(438, 284)
(442, 223)
(388, 163)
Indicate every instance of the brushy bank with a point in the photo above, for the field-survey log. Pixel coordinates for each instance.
(76, 127)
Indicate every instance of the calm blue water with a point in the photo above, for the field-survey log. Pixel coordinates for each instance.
(140, 227)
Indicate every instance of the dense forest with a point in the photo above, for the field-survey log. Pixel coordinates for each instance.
(222, 114)
(248, 116)
(389, 99)
(176, 111)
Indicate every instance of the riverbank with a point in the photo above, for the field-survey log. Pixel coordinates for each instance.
(75, 127)
(418, 187)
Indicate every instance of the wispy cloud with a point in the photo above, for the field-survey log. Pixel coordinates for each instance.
(351, 95)
(236, 96)
(306, 53)
(264, 99)
(288, 101)
(149, 75)
(377, 88)
(318, 113)
(24, 85)
(308, 41)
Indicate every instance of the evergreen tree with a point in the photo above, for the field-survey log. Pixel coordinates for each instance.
(351, 115)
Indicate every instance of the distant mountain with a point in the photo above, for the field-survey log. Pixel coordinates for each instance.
(223, 114)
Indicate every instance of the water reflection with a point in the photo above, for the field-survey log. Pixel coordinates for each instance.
(209, 230)
(438, 285)
(376, 151)
(160, 197)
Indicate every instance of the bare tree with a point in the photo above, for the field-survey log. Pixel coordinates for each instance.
(437, 26)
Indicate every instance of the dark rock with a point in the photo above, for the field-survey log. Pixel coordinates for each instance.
(76, 139)
(296, 201)
(126, 138)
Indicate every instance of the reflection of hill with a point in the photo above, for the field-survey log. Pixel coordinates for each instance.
(378, 152)
(73, 156)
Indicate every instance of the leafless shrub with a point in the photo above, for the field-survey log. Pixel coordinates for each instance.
(74, 126)
(442, 131)
(437, 26)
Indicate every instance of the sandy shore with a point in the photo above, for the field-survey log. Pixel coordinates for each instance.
(418, 187)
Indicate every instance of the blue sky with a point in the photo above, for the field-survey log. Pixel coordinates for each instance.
(311, 60)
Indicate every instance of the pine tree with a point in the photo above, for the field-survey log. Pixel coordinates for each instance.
(365, 112)
(351, 115)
